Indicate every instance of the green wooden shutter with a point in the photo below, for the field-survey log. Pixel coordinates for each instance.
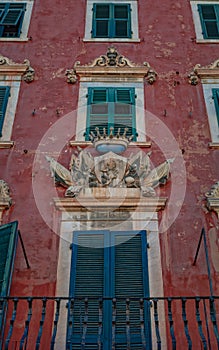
(131, 280)
(122, 21)
(11, 19)
(8, 244)
(124, 116)
(4, 95)
(87, 280)
(111, 21)
(209, 16)
(216, 102)
(101, 21)
(97, 113)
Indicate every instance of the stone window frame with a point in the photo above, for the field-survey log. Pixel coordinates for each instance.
(111, 70)
(11, 75)
(26, 20)
(134, 21)
(197, 20)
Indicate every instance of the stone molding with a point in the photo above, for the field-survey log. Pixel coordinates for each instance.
(201, 72)
(6, 144)
(112, 64)
(8, 67)
(5, 199)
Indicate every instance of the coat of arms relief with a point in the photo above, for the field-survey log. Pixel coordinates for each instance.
(110, 169)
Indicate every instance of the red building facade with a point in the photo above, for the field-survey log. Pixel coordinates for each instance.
(156, 69)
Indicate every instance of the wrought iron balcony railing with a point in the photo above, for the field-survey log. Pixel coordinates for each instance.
(59, 323)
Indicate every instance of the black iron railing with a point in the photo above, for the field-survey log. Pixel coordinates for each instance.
(176, 323)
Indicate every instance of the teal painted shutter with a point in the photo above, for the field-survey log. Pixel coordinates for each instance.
(131, 280)
(97, 110)
(125, 111)
(4, 95)
(118, 268)
(87, 280)
(11, 20)
(216, 102)
(209, 16)
(111, 107)
(122, 21)
(101, 21)
(111, 21)
(8, 244)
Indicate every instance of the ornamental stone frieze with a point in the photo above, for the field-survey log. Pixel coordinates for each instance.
(204, 72)
(8, 67)
(111, 65)
(111, 172)
(212, 197)
(5, 199)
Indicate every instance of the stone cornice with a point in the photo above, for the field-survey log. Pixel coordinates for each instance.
(111, 65)
(199, 72)
(212, 198)
(152, 204)
(8, 67)
(140, 144)
(6, 144)
(5, 199)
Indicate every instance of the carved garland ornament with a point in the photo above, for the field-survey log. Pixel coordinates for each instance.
(199, 72)
(112, 59)
(212, 197)
(7, 66)
(5, 199)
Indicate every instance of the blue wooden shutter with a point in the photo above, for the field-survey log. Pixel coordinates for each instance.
(209, 16)
(122, 21)
(125, 111)
(87, 280)
(11, 20)
(8, 244)
(216, 102)
(130, 279)
(97, 115)
(4, 95)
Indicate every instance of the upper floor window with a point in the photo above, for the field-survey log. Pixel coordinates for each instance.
(111, 21)
(4, 95)
(111, 107)
(209, 15)
(11, 19)
(206, 20)
(15, 19)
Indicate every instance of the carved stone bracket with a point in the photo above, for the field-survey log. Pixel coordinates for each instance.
(5, 199)
(111, 64)
(8, 67)
(199, 72)
(212, 197)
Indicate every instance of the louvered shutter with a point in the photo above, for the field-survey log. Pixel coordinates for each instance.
(101, 21)
(209, 16)
(97, 110)
(125, 111)
(131, 280)
(4, 95)
(87, 280)
(11, 19)
(122, 21)
(8, 244)
(216, 102)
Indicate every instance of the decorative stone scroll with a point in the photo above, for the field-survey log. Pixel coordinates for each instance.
(199, 72)
(5, 199)
(212, 197)
(8, 67)
(111, 64)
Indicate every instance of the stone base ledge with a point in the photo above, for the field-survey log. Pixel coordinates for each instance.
(6, 144)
